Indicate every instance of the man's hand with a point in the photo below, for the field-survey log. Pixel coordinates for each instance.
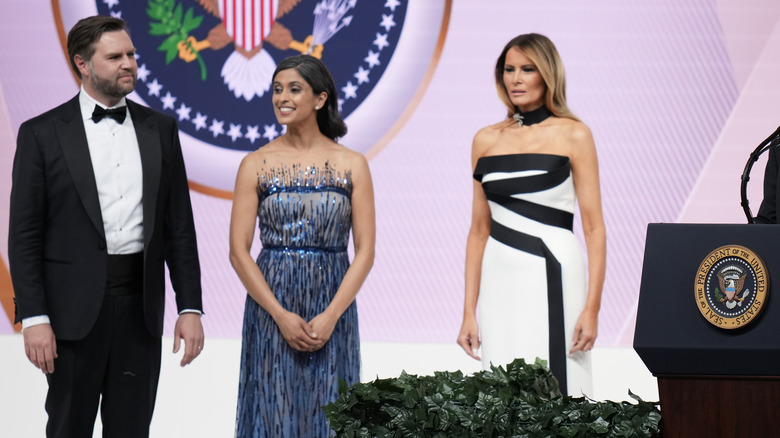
(40, 347)
(188, 328)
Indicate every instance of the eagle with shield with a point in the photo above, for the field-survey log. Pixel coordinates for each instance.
(731, 281)
(249, 25)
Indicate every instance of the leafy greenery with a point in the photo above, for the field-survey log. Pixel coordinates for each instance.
(522, 400)
(166, 19)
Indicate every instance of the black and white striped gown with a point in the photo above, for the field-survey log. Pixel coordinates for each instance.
(533, 283)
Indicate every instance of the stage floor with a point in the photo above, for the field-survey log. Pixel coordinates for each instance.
(200, 400)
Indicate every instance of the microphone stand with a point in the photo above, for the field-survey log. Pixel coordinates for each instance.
(765, 145)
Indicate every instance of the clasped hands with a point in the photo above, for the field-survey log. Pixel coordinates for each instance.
(306, 336)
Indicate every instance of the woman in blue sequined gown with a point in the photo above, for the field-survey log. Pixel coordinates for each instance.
(300, 333)
(524, 265)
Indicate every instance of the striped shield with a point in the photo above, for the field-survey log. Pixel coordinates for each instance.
(248, 22)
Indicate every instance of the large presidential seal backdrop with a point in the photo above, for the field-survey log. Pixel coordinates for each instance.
(209, 64)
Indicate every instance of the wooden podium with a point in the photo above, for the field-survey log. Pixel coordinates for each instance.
(712, 381)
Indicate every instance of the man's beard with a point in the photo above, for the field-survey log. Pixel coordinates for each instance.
(109, 87)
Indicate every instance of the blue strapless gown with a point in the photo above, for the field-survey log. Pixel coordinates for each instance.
(304, 228)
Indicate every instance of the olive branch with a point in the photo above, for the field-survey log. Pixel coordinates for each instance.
(166, 19)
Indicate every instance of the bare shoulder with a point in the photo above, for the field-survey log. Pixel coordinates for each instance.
(576, 131)
(490, 132)
(263, 159)
(252, 159)
(486, 137)
(351, 159)
(577, 141)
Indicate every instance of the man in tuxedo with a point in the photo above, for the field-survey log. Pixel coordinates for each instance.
(99, 204)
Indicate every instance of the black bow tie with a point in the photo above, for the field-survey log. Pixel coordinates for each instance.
(117, 114)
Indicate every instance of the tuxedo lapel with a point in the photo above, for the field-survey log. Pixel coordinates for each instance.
(147, 132)
(75, 151)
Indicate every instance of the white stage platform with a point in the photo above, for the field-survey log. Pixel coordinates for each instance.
(200, 400)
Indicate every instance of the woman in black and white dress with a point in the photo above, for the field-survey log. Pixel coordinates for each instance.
(524, 264)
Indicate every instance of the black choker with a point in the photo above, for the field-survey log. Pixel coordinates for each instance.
(532, 117)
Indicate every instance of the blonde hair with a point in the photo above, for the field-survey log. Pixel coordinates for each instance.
(542, 52)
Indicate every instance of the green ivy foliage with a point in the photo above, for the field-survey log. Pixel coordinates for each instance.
(521, 401)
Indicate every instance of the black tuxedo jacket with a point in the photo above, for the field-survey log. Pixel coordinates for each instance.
(57, 245)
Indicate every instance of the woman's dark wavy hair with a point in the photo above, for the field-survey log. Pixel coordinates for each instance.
(83, 37)
(316, 74)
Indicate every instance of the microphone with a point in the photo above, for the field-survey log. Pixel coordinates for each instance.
(764, 146)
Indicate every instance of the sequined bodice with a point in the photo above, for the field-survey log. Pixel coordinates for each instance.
(304, 207)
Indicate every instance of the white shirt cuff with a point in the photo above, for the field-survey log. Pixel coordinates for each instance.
(35, 320)
(191, 311)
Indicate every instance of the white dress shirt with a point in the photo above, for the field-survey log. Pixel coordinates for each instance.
(116, 161)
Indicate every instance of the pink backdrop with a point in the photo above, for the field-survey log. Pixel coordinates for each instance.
(676, 92)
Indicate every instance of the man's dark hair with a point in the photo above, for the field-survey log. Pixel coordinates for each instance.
(83, 37)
